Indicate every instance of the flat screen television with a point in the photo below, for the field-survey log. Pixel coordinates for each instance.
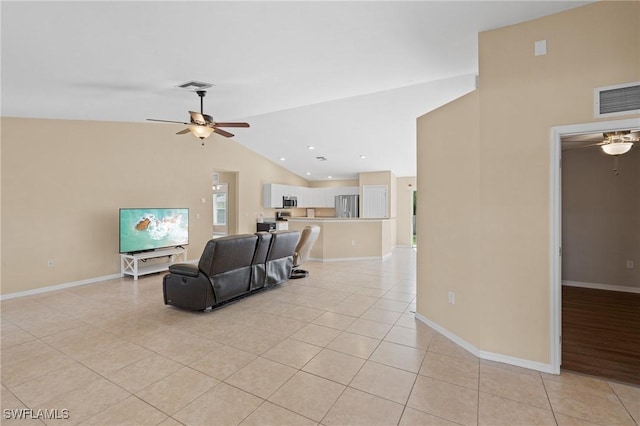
(150, 229)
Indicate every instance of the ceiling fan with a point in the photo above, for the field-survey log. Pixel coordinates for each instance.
(616, 143)
(202, 125)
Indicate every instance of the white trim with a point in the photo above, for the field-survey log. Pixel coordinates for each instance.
(599, 286)
(555, 270)
(457, 340)
(489, 356)
(555, 194)
(59, 286)
(518, 362)
(69, 285)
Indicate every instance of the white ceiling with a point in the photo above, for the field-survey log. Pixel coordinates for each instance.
(349, 78)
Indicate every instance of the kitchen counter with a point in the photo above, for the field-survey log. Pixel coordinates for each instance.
(336, 219)
(345, 239)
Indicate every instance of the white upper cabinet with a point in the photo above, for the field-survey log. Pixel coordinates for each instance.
(272, 194)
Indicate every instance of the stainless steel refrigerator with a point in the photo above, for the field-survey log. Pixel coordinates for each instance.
(347, 206)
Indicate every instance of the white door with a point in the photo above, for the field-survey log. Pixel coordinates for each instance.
(374, 201)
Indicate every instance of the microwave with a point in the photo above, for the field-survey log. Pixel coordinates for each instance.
(289, 202)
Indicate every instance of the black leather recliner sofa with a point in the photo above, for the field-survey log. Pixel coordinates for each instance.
(229, 268)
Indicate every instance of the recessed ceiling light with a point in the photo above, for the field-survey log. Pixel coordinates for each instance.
(308, 173)
(363, 156)
(330, 177)
(282, 158)
(311, 147)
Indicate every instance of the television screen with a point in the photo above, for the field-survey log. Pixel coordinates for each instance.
(150, 229)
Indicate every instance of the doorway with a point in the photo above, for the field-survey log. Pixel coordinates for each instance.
(557, 133)
(224, 203)
(220, 209)
(600, 241)
(414, 229)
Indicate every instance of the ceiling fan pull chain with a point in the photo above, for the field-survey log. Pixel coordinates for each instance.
(615, 165)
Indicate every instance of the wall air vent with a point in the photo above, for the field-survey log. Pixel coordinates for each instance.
(321, 158)
(621, 99)
(194, 85)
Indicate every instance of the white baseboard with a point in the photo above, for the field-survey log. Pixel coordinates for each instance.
(59, 286)
(599, 286)
(69, 285)
(489, 356)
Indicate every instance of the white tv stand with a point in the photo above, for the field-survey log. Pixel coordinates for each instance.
(130, 263)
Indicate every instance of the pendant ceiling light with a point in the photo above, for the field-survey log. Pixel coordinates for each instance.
(200, 132)
(617, 143)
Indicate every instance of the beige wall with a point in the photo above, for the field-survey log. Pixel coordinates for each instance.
(63, 182)
(600, 217)
(485, 222)
(447, 217)
(333, 183)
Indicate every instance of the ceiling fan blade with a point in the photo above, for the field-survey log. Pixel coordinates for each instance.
(232, 124)
(585, 146)
(208, 118)
(197, 118)
(223, 133)
(167, 121)
(182, 132)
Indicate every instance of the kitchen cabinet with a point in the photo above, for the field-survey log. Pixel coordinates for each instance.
(272, 194)
(324, 197)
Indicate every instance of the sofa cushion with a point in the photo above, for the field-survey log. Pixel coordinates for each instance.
(227, 253)
(187, 269)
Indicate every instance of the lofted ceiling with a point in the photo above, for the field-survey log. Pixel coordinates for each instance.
(347, 78)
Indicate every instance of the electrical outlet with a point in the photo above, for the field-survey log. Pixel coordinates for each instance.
(630, 264)
(50, 263)
(353, 242)
(452, 298)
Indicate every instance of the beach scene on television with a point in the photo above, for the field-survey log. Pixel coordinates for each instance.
(149, 229)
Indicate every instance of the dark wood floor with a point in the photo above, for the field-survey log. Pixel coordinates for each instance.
(601, 333)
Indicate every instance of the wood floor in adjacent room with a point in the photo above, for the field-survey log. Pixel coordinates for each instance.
(601, 333)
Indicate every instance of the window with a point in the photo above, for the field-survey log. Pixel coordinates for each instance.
(220, 205)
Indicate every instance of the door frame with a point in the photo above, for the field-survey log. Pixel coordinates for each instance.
(557, 133)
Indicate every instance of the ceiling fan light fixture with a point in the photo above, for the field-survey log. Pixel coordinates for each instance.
(200, 132)
(616, 148)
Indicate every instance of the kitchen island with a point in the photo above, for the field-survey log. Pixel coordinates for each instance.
(344, 239)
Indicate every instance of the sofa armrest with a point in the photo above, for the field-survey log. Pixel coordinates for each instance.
(187, 269)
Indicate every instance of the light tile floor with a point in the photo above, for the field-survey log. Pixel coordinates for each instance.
(340, 347)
